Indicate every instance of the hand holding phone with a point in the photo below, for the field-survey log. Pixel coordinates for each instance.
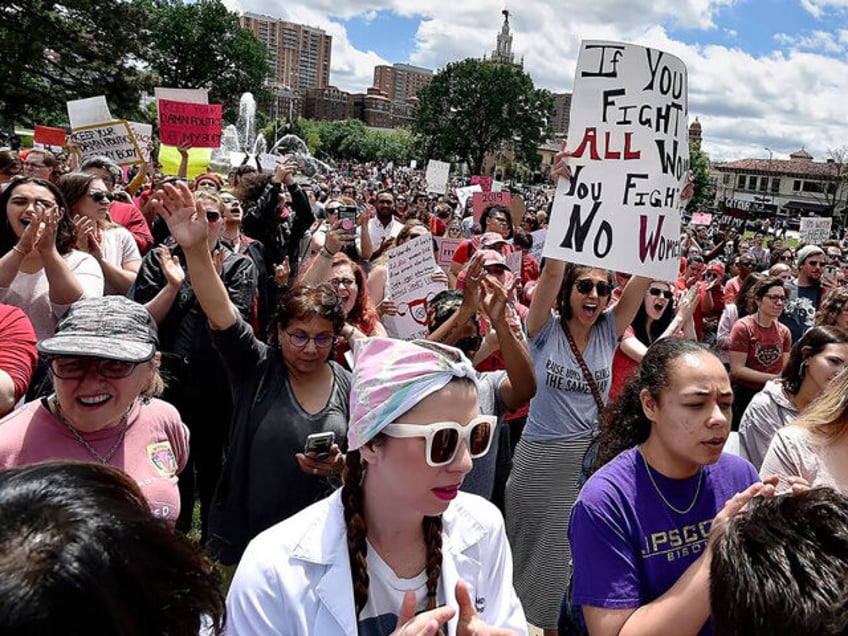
(320, 444)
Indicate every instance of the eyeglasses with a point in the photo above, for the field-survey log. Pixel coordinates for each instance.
(445, 438)
(300, 339)
(813, 263)
(775, 298)
(342, 282)
(212, 216)
(75, 368)
(499, 220)
(665, 293)
(585, 286)
(23, 202)
(101, 196)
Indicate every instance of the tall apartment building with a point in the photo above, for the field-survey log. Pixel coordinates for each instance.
(401, 81)
(299, 55)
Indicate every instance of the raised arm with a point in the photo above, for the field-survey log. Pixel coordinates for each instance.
(544, 295)
(628, 305)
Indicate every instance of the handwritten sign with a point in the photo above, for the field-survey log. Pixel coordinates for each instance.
(701, 218)
(197, 124)
(732, 219)
(483, 200)
(144, 136)
(621, 208)
(538, 244)
(410, 282)
(463, 194)
(815, 230)
(50, 136)
(113, 139)
(447, 248)
(484, 182)
(437, 176)
(88, 111)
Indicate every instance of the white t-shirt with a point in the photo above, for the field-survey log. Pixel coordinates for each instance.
(379, 232)
(118, 247)
(379, 617)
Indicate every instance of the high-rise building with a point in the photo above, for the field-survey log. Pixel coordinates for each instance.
(299, 55)
(503, 49)
(562, 113)
(401, 81)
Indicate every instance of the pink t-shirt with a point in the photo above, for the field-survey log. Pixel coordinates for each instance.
(154, 450)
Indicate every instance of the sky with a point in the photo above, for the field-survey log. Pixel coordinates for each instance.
(763, 74)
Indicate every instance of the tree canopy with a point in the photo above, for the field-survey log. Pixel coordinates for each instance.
(475, 107)
(350, 139)
(704, 190)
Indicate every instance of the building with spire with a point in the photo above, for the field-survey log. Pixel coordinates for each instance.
(695, 133)
(503, 49)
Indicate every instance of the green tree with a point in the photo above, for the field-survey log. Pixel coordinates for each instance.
(699, 164)
(52, 52)
(474, 107)
(202, 45)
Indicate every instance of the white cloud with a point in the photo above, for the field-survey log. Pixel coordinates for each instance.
(818, 7)
(784, 99)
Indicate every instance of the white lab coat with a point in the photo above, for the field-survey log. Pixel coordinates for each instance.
(294, 579)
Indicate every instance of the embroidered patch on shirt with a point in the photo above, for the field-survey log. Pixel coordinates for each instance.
(162, 457)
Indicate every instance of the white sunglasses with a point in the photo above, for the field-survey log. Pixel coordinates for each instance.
(445, 438)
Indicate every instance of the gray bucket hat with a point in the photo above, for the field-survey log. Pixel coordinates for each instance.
(112, 327)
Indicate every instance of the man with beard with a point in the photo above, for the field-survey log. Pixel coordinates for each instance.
(805, 292)
(382, 228)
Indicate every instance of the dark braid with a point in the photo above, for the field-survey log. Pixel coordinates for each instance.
(356, 530)
(433, 537)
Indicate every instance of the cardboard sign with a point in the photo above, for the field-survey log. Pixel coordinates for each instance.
(144, 136)
(447, 248)
(630, 162)
(88, 111)
(112, 139)
(482, 200)
(50, 136)
(484, 182)
(701, 218)
(437, 176)
(732, 219)
(183, 122)
(192, 95)
(815, 230)
(538, 244)
(410, 283)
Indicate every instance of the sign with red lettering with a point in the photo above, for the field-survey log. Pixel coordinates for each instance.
(628, 136)
(485, 183)
(184, 122)
(50, 136)
(701, 218)
(482, 200)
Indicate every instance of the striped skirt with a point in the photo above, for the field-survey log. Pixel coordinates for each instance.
(540, 493)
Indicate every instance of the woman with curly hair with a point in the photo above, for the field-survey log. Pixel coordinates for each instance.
(814, 361)
(399, 549)
(643, 528)
(834, 309)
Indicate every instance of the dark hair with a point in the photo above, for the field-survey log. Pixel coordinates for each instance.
(523, 239)
(572, 273)
(251, 186)
(814, 341)
(744, 300)
(103, 163)
(831, 306)
(781, 567)
(765, 284)
(65, 236)
(304, 302)
(81, 535)
(658, 326)
(75, 186)
(624, 423)
(9, 159)
(442, 306)
(487, 211)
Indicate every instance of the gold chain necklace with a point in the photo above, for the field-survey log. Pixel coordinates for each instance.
(103, 459)
(659, 492)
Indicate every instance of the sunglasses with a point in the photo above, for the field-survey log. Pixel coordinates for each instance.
(101, 196)
(665, 293)
(300, 339)
(73, 368)
(445, 438)
(814, 263)
(585, 286)
(212, 216)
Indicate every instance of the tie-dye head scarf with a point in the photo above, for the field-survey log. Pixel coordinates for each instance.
(392, 376)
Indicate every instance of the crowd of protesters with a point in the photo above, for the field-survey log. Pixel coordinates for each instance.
(572, 448)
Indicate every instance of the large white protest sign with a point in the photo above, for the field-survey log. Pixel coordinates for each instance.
(192, 95)
(815, 230)
(437, 176)
(629, 138)
(410, 283)
(112, 139)
(463, 194)
(88, 111)
(143, 134)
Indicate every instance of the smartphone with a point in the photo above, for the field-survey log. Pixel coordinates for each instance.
(320, 444)
(347, 215)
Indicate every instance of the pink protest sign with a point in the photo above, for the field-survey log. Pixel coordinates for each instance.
(184, 122)
(702, 218)
(482, 200)
(484, 182)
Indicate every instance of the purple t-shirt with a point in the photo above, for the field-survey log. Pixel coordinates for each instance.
(628, 546)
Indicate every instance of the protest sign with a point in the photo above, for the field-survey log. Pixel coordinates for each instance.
(538, 244)
(497, 186)
(732, 219)
(183, 122)
(815, 230)
(701, 218)
(517, 208)
(463, 194)
(630, 162)
(447, 248)
(411, 285)
(112, 139)
(482, 200)
(413, 164)
(437, 176)
(269, 162)
(50, 136)
(144, 137)
(88, 111)
(513, 261)
(193, 95)
(484, 182)
(198, 160)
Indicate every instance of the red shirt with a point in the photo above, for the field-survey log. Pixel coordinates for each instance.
(18, 355)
